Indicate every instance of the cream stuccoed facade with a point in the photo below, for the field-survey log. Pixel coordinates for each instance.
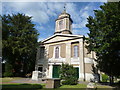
(63, 47)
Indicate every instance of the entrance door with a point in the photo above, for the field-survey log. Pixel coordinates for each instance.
(77, 70)
(55, 73)
(40, 74)
(40, 69)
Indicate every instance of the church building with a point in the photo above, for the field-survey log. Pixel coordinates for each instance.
(63, 47)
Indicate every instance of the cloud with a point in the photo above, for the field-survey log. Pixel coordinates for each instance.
(82, 31)
(83, 14)
(72, 9)
(40, 16)
(59, 0)
(40, 27)
(76, 31)
(41, 12)
(44, 13)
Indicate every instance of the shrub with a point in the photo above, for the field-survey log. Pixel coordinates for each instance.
(104, 78)
(8, 70)
(68, 74)
(22, 86)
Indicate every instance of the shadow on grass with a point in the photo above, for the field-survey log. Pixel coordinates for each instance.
(104, 83)
(21, 86)
(108, 83)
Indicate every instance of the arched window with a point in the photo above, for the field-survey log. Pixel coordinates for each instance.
(76, 51)
(57, 52)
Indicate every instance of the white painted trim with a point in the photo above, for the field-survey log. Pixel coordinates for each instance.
(55, 63)
(80, 36)
(50, 71)
(56, 60)
(76, 66)
(75, 62)
(75, 59)
(89, 60)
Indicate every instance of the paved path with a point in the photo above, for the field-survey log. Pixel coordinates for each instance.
(82, 82)
(27, 80)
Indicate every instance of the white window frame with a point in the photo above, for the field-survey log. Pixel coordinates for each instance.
(59, 51)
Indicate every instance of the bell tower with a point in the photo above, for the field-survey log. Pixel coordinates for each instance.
(63, 23)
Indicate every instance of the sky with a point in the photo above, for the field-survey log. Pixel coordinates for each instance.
(44, 14)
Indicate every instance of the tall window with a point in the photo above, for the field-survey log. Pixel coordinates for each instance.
(76, 51)
(42, 52)
(57, 52)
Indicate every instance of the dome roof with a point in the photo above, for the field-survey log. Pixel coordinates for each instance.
(64, 14)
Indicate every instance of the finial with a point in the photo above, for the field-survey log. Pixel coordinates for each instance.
(64, 8)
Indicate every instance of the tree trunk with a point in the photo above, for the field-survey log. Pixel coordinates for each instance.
(111, 80)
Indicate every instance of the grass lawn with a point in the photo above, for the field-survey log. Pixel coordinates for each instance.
(19, 86)
(8, 85)
(74, 86)
(85, 86)
(104, 87)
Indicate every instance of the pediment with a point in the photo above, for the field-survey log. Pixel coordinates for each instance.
(59, 37)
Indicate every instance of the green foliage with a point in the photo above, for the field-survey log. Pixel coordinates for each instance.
(104, 78)
(19, 38)
(68, 74)
(104, 37)
(9, 70)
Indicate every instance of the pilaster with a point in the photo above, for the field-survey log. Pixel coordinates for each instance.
(68, 52)
(50, 71)
(81, 54)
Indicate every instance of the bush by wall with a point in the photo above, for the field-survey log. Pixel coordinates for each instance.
(68, 74)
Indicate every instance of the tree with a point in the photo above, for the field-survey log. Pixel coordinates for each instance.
(104, 38)
(68, 74)
(19, 38)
